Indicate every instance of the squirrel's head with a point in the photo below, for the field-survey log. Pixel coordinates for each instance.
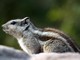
(17, 26)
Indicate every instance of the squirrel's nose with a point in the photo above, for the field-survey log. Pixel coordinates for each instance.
(3, 26)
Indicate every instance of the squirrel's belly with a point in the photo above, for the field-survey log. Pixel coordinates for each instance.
(23, 46)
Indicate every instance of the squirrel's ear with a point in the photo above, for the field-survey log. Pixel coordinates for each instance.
(26, 19)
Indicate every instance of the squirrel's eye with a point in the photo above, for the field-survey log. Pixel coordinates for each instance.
(13, 23)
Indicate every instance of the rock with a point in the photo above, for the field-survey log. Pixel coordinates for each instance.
(9, 53)
(56, 56)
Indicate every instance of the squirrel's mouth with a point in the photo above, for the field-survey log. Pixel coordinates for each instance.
(5, 28)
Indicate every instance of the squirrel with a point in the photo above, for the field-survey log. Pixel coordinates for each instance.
(35, 40)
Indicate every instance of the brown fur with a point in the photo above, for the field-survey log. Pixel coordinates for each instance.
(69, 40)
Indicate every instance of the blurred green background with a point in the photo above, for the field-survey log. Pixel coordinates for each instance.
(60, 14)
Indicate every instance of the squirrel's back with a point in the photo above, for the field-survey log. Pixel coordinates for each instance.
(67, 38)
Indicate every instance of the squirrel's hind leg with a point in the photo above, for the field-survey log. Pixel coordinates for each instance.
(55, 45)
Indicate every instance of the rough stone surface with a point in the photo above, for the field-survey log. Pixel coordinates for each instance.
(56, 56)
(8, 53)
